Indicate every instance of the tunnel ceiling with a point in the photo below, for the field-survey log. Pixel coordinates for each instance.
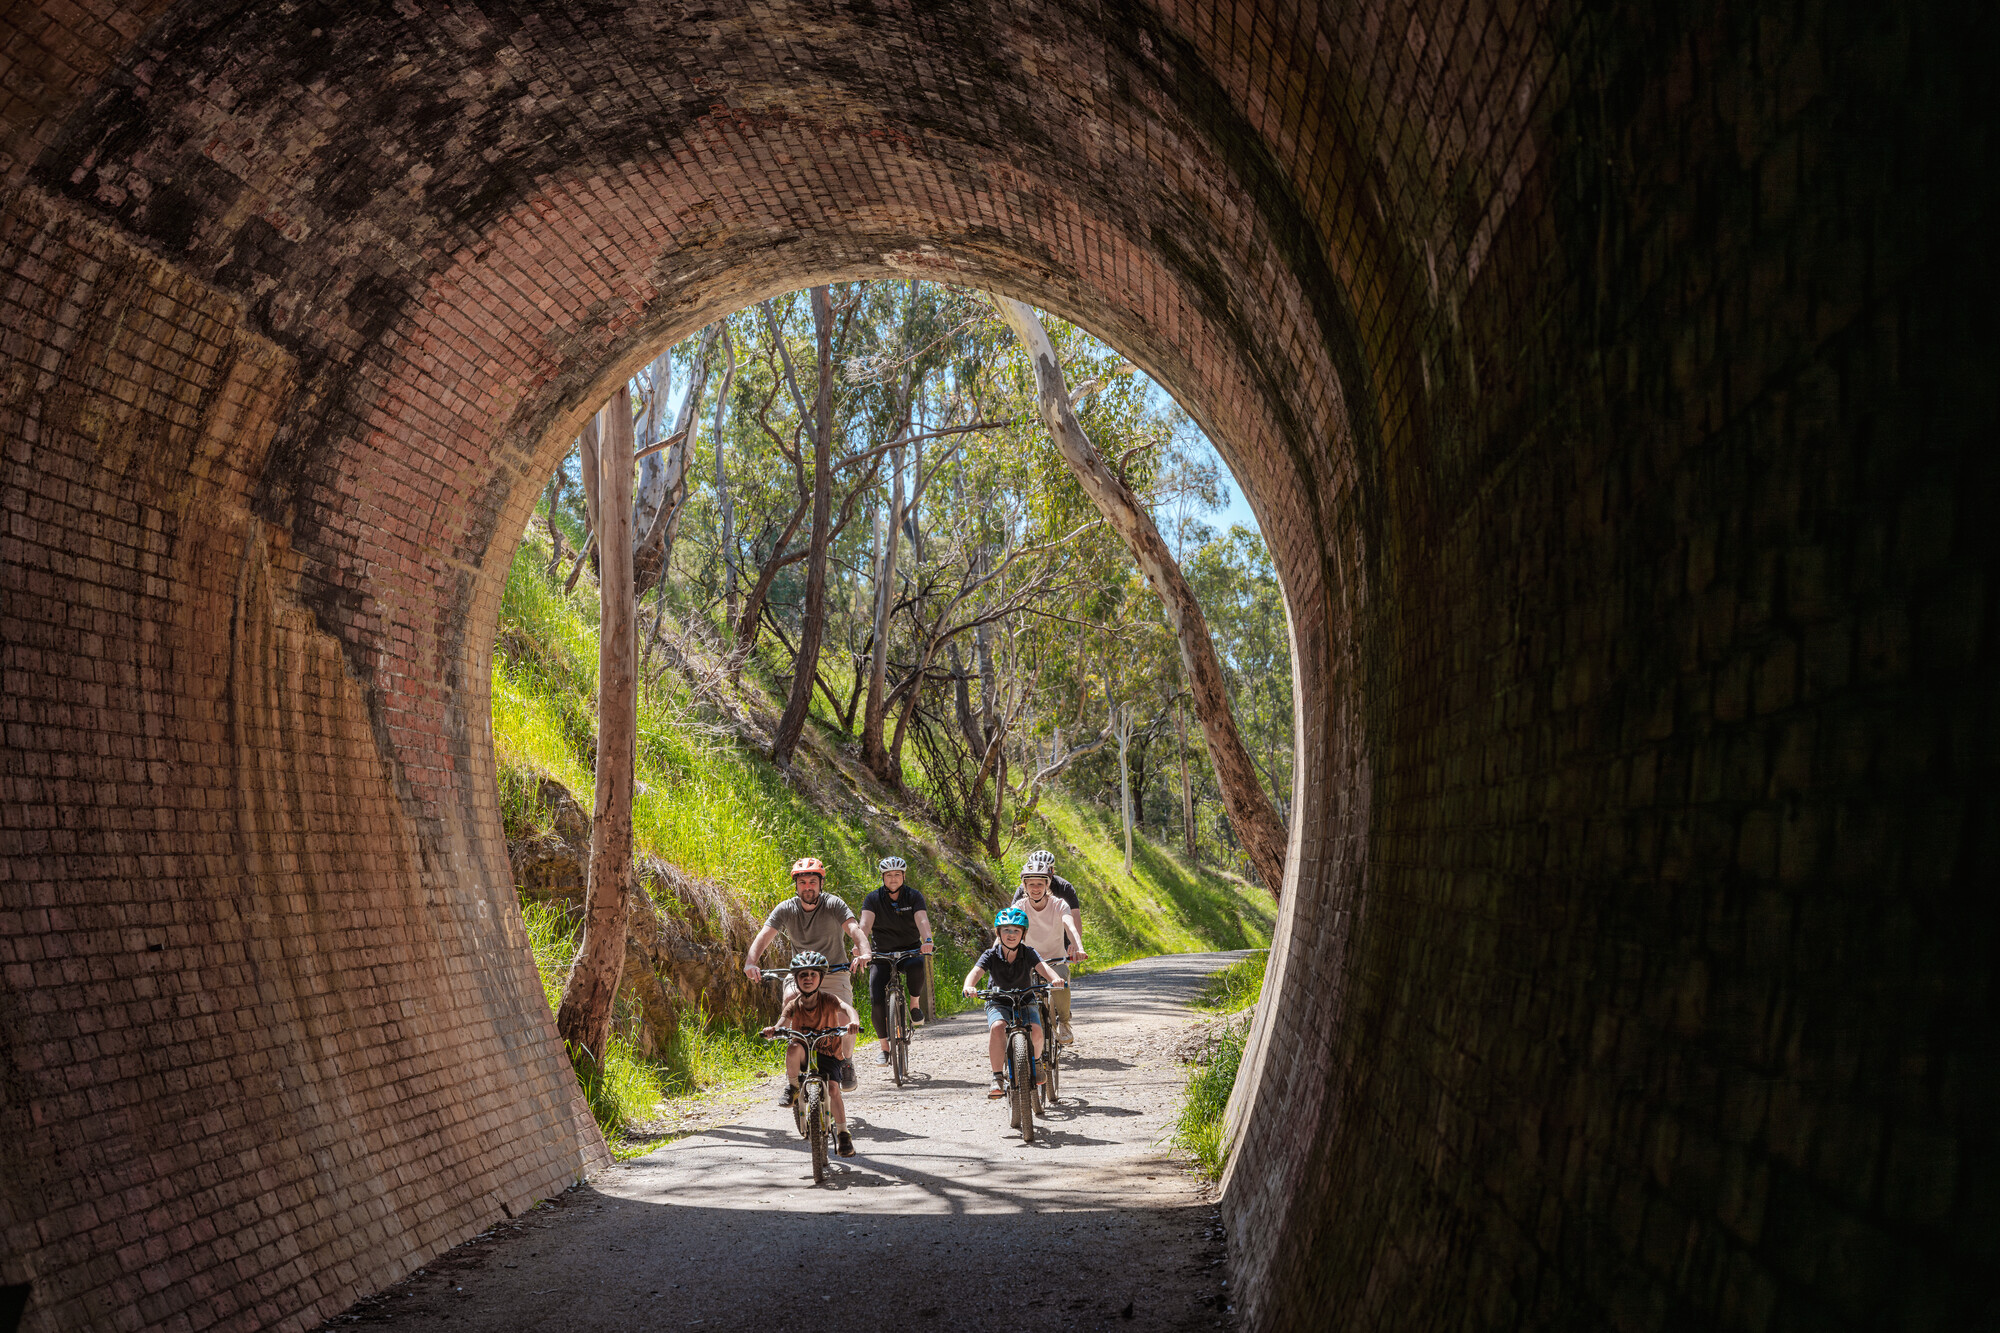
(1605, 382)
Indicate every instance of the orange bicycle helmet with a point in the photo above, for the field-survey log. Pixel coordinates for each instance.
(808, 865)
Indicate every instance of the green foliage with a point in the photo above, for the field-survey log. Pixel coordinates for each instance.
(1086, 637)
(710, 1053)
(623, 1089)
(711, 809)
(552, 940)
(1198, 1129)
(1235, 988)
(622, 1092)
(1165, 906)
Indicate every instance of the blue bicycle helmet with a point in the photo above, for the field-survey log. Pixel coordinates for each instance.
(1010, 916)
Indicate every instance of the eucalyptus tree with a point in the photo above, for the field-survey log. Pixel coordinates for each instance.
(1250, 809)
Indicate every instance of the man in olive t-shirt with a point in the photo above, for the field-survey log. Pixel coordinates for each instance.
(812, 920)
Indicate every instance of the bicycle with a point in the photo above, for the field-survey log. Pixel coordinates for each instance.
(900, 1026)
(1048, 1089)
(810, 1110)
(1022, 1077)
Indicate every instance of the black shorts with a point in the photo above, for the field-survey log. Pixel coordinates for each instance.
(879, 973)
(828, 1065)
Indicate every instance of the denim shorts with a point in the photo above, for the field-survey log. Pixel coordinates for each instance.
(997, 1012)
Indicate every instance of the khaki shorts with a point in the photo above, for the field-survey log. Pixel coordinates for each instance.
(1059, 999)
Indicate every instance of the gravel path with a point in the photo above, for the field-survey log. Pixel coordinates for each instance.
(937, 1218)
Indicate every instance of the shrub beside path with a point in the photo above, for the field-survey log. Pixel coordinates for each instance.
(944, 1214)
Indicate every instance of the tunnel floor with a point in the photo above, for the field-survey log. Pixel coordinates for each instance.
(942, 1215)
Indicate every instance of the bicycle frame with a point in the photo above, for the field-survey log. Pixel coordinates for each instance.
(812, 1091)
(1016, 1000)
(899, 1037)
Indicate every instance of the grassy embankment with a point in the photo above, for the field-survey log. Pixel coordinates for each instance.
(1199, 1126)
(717, 810)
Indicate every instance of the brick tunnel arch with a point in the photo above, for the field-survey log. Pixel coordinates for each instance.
(1631, 965)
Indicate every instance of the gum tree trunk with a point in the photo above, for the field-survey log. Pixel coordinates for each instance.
(1122, 720)
(793, 724)
(725, 504)
(875, 712)
(1187, 787)
(584, 1017)
(1250, 810)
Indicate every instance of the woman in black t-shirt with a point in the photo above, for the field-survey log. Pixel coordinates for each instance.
(894, 920)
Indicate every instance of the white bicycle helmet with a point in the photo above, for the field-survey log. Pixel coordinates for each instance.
(891, 863)
(1040, 863)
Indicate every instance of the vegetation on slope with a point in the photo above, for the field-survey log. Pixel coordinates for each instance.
(711, 805)
(1198, 1128)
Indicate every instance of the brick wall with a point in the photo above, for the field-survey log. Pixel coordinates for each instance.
(1596, 381)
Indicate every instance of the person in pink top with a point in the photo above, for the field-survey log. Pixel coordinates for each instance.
(1052, 933)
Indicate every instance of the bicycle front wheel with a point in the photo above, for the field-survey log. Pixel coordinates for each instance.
(1023, 1081)
(816, 1132)
(899, 1035)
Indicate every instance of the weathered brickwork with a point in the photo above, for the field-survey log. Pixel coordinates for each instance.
(1608, 382)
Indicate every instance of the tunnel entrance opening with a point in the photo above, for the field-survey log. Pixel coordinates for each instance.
(1611, 390)
(1020, 632)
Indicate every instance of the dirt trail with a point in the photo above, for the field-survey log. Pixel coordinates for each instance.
(937, 1218)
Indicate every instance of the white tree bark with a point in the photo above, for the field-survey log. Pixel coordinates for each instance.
(724, 502)
(874, 713)
(584, 1016)
(1250, 811)
(1121, 721)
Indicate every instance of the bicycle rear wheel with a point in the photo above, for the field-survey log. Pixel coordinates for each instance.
(1022, 1078)
(816, 1131)
(1052, 1061)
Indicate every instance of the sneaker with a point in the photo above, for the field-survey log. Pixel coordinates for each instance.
(791, 1094)
(881, 1056)
(847, 1076)
(846, 1144)
(916, 1017)
(999, 1088)
(1063, 1034)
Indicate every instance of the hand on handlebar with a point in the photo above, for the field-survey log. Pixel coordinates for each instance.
(752, 971)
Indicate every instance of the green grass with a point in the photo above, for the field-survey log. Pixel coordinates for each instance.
(720, 812)
(713, 809)
(625, 1091)
(1235, 988)
(624, 1088)
(1199, 1126)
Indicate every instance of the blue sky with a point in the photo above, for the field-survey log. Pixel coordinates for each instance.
(1235, 509)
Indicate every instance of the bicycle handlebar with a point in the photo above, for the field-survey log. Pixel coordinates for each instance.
(787, 971)
(806, 1038)
(993, 992)
(898, 956)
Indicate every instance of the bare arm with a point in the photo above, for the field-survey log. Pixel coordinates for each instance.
(1076, 954)
(861, 952)
(761, 942)
(973, 978)
(924, 929)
